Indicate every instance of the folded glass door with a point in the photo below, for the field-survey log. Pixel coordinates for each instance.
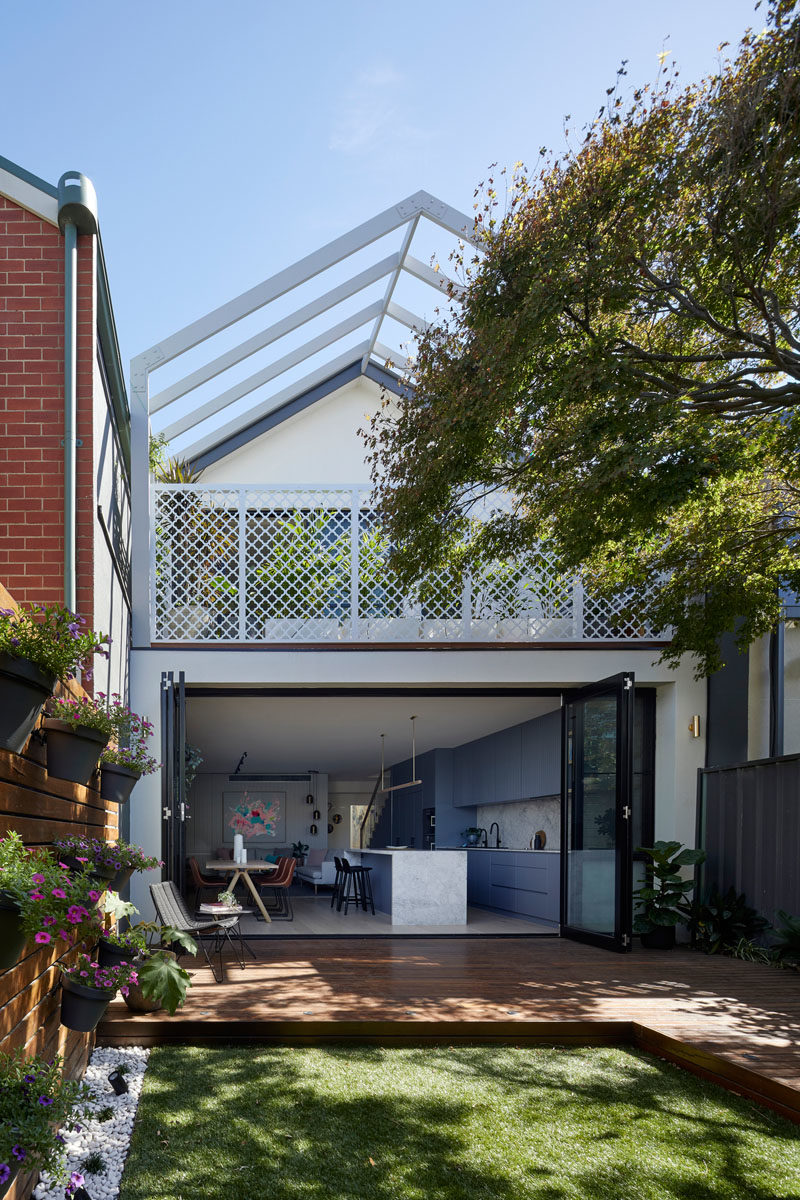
(596, 803)
(173, 785)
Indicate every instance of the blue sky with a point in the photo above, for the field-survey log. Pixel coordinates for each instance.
(226, 140)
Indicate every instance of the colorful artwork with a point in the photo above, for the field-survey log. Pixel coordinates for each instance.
(254, 816)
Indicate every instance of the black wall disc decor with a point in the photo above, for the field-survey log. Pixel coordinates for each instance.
(337, 817)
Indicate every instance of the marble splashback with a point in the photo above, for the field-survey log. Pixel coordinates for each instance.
(519, 822)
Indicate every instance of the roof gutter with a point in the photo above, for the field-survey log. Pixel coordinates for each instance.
(77, 213)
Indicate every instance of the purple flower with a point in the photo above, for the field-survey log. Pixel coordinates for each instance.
(42, 938)
(37, 878)
(19, 1153)
(59, 1138)
(30, 1078)
(60, 893)
(77, 1179)
(48, 920)
(45, 1100)
(5, 1172)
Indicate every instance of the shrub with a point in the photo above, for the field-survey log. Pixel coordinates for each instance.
(53, 637)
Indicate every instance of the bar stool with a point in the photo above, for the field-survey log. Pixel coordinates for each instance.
(355, 887)
(337, 883)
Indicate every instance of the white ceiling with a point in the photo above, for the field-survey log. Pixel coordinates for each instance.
(341, 734)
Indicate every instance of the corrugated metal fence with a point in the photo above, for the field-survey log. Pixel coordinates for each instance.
(749, 826)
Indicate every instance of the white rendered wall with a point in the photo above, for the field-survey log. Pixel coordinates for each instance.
(319, 445)
(758, 699)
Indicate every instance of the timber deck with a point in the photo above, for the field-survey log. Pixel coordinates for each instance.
(734, 1022)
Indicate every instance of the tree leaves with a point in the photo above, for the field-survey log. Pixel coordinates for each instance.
(625, 360)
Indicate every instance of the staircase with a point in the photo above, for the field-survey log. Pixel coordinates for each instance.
(377, 804)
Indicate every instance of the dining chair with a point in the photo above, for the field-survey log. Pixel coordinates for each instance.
(201, 882)
(279, 884)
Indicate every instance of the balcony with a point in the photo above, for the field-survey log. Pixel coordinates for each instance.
(256, 564)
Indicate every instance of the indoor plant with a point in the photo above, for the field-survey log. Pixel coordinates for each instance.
(41, 900)
(77, 732)
(35, 1101)
(87, 989)
(39, 645)
(659, 900)
(123, 764)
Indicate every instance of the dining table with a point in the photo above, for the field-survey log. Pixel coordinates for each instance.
(242, 871)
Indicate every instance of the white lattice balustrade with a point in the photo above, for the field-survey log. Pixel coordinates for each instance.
(275, 564)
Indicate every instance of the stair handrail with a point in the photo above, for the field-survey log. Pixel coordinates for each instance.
(365, 818)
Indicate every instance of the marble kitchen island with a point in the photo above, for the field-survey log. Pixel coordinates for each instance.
(419, 887)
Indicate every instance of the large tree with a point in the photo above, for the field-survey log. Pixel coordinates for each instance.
(623, 360)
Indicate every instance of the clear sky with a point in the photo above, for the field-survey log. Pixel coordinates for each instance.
(227, 139)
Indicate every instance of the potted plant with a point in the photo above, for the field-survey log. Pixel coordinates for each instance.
(87, 989)
(39, 645)
(161, 983)
(77, 732)
(112, 862)
(114, 948)
(659, 900)
(41, 901)
(299, 850)
(123, 764)
(472, 835)
(35, 1101)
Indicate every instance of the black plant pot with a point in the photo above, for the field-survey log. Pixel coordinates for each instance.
(24, 687)
(117, 782)
(73, 754)
(103, 875)
(82, 1007)
(660, 938)
(119, 880)
(12, 939)
(109, 955)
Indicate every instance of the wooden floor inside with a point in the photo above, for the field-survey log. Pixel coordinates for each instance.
(731, 1021)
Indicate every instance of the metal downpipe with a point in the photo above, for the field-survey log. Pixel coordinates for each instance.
(70, 408)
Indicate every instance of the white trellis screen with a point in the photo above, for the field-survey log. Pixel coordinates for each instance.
(282, 564)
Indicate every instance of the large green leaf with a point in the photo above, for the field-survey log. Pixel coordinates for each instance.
(160, 978)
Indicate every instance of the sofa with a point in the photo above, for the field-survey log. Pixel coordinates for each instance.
(318, 868)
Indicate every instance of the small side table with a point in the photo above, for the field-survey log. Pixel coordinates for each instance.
(216, 910)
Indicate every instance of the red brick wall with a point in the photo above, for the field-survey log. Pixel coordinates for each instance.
(32, 408)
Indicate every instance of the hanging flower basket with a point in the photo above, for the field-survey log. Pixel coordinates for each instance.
(24, 687)
(12, 935)
(82, 1007)
(117, 782)
(73, 753)
(109, 955)
(119, 880)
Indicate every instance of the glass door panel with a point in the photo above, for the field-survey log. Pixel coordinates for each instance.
(596, 841)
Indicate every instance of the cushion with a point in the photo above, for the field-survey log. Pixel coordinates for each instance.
(315, 858)
(223, 853)
(270, 858)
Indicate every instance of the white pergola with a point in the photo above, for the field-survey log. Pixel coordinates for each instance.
(352, 344)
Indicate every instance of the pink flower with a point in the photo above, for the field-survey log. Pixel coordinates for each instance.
(37, 895)
(37, 878)
(62, 933)
(93, 895)
(48, 920)
(42, 938)
(60, 893)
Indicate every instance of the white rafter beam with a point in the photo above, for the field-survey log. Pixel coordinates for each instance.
(391, 285)
(291, 277)
(274, 332)
(404, 317)
(279, 400)
(437, 279)
(394, 357)
(279, 367)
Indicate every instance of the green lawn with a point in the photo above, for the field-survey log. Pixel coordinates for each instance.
(264, 1123)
